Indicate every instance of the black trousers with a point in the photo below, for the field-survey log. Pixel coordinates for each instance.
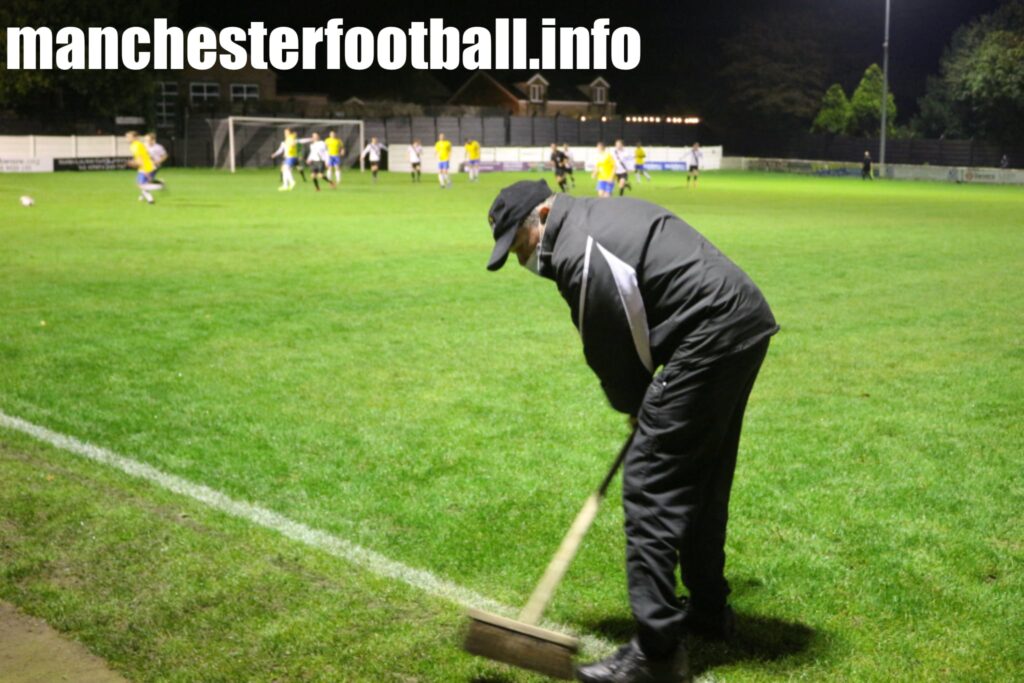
(676, 482)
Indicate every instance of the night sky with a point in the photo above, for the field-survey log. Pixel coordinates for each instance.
(682, 41)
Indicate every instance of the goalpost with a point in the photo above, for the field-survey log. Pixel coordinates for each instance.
(248, 141)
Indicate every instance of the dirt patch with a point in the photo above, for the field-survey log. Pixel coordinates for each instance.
(110, 492)
(32, 651)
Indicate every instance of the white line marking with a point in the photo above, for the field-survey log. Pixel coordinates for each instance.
(367, 559)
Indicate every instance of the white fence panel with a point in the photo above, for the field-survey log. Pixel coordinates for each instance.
(523, 158)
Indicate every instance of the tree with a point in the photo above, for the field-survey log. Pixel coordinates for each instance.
(866, 105)
(937, 116)
(89, 92)
(980, 87)
(834, 115)
(775, 69)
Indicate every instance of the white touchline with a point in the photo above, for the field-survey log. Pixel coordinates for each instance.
(367, 559)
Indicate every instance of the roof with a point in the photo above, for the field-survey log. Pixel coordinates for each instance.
(407, 85)
(572, 86)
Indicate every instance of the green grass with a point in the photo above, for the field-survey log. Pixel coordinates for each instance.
(345, 360)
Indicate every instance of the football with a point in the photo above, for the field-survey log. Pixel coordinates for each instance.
(27, 201)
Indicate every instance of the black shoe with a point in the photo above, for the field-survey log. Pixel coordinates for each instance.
(630, 665)
(714, 625)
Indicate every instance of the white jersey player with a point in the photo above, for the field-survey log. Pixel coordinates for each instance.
(621, 168)
(317, 161)
(568, 163)
(416, 160)
(373, 151)
(158, 155)
(695, 159)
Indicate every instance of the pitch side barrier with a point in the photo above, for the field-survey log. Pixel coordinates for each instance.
(954, 174)
(45, 153)
(537, 158)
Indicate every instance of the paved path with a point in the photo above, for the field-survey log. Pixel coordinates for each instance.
(32, 652)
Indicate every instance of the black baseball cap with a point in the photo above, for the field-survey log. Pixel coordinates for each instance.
(510, 207)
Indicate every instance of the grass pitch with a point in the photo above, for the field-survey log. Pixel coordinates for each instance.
(344, 359)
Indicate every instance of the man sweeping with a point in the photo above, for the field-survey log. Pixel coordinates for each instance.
(676, 333)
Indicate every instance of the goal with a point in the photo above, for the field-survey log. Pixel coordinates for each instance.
(248, 141)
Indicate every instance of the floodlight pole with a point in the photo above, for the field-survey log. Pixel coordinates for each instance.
(885, 94)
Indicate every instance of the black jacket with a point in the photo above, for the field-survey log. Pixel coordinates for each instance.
(644, 286)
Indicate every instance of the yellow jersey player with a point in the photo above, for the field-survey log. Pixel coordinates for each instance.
(444, 153)
(143, 165)
(473, 159)
(289, 148)
(335, 150)
(639, 157)
(604, 171)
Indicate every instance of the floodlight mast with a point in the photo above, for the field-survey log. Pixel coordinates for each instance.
(885, 94)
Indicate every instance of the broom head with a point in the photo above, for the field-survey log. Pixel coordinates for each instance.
(520, 644)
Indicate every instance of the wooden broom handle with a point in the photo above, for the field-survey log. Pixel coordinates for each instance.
(545, 589)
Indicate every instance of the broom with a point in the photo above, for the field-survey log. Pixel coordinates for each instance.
(522, 642)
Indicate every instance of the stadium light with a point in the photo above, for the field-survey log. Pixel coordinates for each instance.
(691, 120)
(885, 93)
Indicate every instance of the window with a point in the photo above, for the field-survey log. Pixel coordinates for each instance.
(166, 103)
(204, 92)
(600, 94)
(244, 91)
(536, 92)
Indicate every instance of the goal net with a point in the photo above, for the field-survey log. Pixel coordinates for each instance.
(248, 141)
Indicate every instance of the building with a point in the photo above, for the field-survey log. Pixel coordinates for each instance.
(534, 94)
(215, 90)
(253, 92)
(375, 93)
